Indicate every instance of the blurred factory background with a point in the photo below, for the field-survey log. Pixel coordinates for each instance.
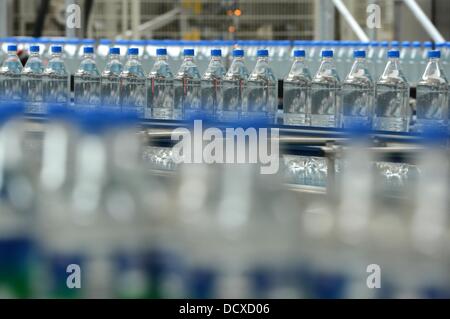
(220, 19)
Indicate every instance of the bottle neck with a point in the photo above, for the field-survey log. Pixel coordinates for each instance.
(216, 59)
(162, 58)
(12, 53)
(132, 57)
(88, 56)
(299, 60)
(239, 59)
(188, 59)
(433, 60)
(327, 60)
(34, 55)
(56, 55)
(114, 56)
(263, 59)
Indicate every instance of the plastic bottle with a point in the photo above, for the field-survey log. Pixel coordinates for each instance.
(211, 84)
(187, 88)
(10, 73)
(325, 94)
(110, 80)
(132, 84)
(160, 88)
(234, 84)
(261, 101)
(358, 94)
(432, 96)
(297, 92)
(56, 79)
(32, 82)
(392, 111)
(87, 84)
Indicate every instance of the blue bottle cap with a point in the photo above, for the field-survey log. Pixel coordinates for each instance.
(299, 53)
(34, 48)
(216, 52)
(238, 52)
(133, 51)
(439, 45)
(327, 53)
(56, 49)
(359, 54)
(114, 50)
(262, 53)
(161, 51)
(393, 54)
(12, 47)
(374, 43)
(406, 44)
(434, 54)
(395, 44)
(188, 52)
(428, 44)
(384, 44)
(88, 50)
(416, 44)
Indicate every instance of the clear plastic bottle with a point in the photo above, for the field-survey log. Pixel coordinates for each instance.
(297, 92)
(358, 94)
(160, 88)
(132, 84)
(392, 111)
(325, 94)
(446, 58)
(187, 88)
(404, 54)
(87, 81)
(10, 73)
(56, 79)
(110, 80)
(371, 56)
(234, 84)
(261, 100)
(432, 96)
(211, 84)
(380, 60)
(32, 82)
(414, 60)
(426, 46)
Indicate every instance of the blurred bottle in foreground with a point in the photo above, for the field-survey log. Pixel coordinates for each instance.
(187, 88)
(110, 81)
(325, 97)
(261, 101)
(17, 199)
(211, 84)
(132, 84)
(10, 72)
(56, 79)
(160, 88)
(297, 92)
(234, 84)
(357, 94)
(432, 96)
(392, 111)
(87, 81)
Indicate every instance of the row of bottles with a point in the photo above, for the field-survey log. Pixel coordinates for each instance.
(326, 101)
(322, 101)
(413, 54)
